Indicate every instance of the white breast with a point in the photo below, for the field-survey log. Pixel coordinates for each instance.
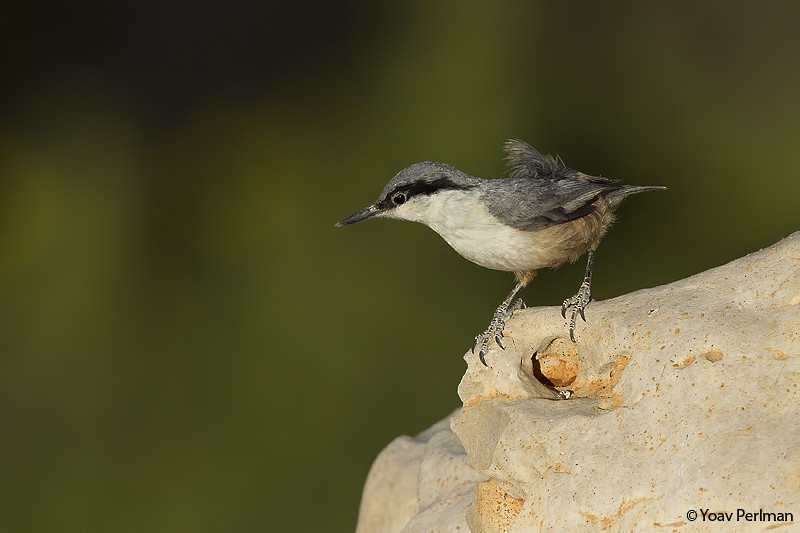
(474, 233)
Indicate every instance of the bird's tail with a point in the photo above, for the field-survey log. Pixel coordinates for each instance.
(616, 196)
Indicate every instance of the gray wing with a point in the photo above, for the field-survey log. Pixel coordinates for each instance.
(542, 190)
(533, 204)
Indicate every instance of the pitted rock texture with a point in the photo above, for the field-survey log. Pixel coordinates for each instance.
(682, 397)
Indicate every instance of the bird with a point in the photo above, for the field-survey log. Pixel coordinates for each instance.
(542, 215)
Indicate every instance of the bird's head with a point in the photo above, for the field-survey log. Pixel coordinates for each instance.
(413, 193)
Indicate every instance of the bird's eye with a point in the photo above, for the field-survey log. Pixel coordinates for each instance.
(399, 198)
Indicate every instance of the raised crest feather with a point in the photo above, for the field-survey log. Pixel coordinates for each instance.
(524, 161)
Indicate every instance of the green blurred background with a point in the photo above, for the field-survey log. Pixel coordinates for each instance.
(189, 345)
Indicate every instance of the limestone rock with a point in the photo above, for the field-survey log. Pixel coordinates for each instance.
(682, 397)
(419, 483)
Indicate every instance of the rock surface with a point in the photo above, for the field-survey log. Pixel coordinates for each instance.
(682, 397)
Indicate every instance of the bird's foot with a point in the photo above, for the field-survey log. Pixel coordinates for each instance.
(518, 304)
(577, 303)
(495, 329)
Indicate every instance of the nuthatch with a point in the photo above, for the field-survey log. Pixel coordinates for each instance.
(544, 215)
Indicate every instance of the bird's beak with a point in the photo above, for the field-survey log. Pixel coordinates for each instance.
(358, 216)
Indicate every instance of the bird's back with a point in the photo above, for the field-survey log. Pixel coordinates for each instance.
(542, 191)
(534, 204)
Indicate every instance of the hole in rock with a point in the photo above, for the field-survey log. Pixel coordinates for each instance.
(537, 371)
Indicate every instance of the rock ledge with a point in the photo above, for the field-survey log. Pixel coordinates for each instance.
(682, 397)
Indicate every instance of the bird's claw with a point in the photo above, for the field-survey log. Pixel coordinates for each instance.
(495, 329)
(482, 338)
(577, 303)
(518, 304)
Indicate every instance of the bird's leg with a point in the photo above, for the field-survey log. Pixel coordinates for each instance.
(495, 329)
(580, 300)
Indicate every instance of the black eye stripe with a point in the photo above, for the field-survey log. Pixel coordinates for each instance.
(421, 188)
